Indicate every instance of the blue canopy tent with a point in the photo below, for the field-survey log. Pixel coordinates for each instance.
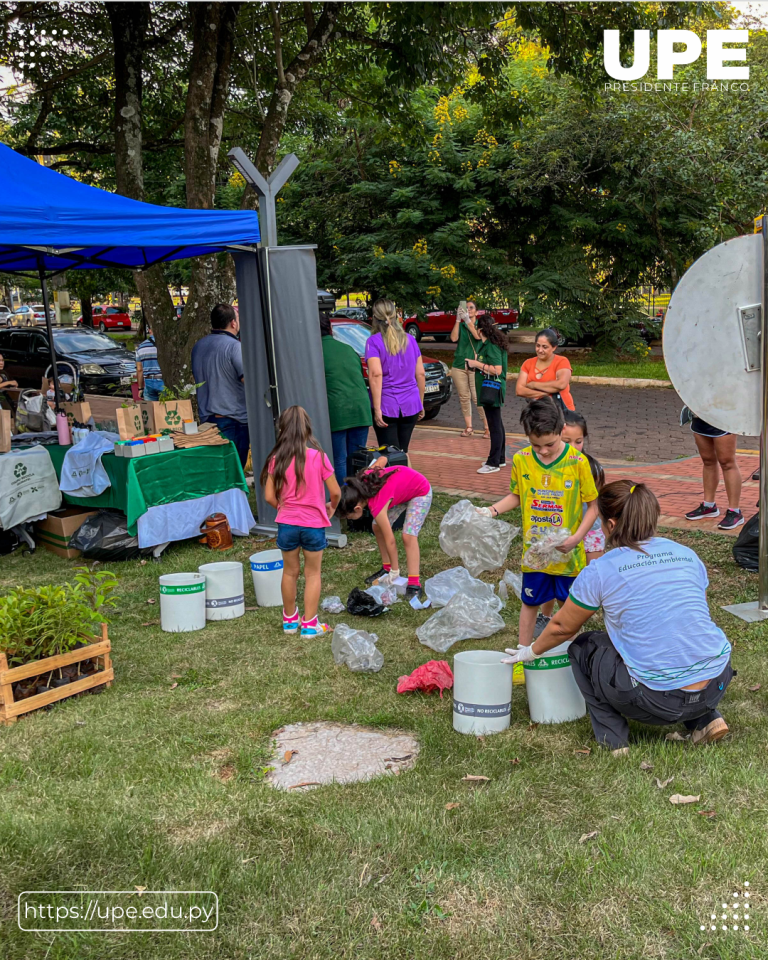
(50, 223)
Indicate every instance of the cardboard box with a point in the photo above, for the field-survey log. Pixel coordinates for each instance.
(129, 422)
(80, 412)
(165, 416)
(55, 531)
(5, 431)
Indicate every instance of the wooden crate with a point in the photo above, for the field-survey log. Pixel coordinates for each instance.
(10, 709)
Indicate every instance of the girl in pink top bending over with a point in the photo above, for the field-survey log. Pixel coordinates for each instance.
(387, 493)
(294, 478)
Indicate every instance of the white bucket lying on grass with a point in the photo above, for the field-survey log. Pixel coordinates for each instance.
(267, 572)
(482, 692)
(182, 602)
(224, 592)
(553, 695)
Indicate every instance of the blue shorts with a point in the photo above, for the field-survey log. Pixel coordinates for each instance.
(539, 587)
(291, 537)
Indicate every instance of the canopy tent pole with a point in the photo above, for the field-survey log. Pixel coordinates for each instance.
(762, 592)
(49, 328)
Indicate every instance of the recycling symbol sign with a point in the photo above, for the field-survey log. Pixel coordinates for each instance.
(19, 471)
(172, 417)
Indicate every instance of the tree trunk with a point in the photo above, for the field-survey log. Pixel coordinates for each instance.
(130, 22)
(212, 277)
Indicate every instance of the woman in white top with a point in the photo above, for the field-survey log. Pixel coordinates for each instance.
(661, 660)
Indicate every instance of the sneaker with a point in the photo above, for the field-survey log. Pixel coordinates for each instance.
(703, 513)
(376, 576)
(731, 520)
(487, 468)
(315, 628)
(756, 475)
(541, 625)
(620, 752)
(413, 591)
(291, 624)
(713, 732)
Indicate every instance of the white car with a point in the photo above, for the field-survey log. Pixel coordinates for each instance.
(5, 315)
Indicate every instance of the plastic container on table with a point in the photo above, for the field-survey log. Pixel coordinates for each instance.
(182, 602)
(224, 591)
(482, 692)
(267, 573)
(553, 695)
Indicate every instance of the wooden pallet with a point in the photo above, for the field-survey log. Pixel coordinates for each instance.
(10, 709)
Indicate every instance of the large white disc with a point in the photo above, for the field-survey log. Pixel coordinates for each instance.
(711, 348)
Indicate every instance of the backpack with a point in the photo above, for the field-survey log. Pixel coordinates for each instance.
(746, 549)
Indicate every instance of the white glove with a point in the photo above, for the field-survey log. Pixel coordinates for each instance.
(390, 578)
(521, 655)
(484, 511)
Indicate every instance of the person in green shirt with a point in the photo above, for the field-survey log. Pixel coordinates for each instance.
(349, 404)
(491, 365)
(467, 340)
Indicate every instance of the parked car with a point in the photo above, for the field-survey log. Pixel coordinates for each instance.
(439, 384)
(5, 315)
(26, 316)
(108, 318)
(326, 301)
(102, 365)
(439, 323)
(351, 313)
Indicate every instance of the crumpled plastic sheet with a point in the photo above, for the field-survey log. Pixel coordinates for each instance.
(430, 676)
(386, 595)
(511, 581)
(541, 547)
(446, 584)
(332, 605)
(462, 618)
(357, 649)
(482, 543)
(361, 604)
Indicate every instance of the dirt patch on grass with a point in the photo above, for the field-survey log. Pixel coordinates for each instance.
(202, 830)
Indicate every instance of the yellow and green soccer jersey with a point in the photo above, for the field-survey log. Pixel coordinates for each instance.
(552, 496)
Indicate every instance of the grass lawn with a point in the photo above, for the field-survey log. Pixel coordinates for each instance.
(149, 785)
(653, 368)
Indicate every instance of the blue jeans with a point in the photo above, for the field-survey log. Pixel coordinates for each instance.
(153, 389)
(290, 537)
(236, 432)
(345, 442)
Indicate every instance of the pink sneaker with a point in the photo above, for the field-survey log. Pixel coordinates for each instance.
(291, 624)
(313, 628)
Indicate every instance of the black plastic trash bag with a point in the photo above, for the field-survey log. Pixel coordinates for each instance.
(746, 550)
(105, 537)
(362, 604)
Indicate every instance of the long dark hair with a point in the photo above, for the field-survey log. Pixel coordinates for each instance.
(294, 435)
(360, 489)
(549, 334)
(635, 511)
(490, 331)
(575, 419)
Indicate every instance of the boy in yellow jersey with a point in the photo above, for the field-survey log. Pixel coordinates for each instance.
(550, 481)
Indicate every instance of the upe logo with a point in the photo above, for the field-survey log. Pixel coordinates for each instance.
(668, 57)
(19, 471)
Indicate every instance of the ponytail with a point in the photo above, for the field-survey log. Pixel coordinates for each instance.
(634, 510)
(386, 323)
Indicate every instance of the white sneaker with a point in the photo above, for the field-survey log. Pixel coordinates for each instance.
(487, 468)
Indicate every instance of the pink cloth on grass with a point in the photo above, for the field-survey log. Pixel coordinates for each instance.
(434, 675)
(305, 507)
(403, 484)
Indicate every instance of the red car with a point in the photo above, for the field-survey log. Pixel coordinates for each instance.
(108, 318)
(438, 383)
(439, 323)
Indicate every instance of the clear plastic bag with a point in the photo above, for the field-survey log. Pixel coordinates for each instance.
(357, 649)
(482, 543)
(462, 618)
(445, 585)
(387, 595)
(513, 581)
(541, 547)
(332, 605)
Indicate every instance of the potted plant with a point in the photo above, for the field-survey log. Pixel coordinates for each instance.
(48, 650)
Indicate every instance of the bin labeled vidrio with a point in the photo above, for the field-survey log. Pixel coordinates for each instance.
(224, 593)
(182, 602)
(482, 692)
(553, 695)
(267, 573)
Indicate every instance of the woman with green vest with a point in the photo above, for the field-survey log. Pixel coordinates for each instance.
(467, 340)
(491, 385)
(349, 405)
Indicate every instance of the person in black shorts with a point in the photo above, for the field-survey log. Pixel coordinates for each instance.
(717, 450)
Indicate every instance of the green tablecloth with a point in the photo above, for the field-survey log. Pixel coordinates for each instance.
(159, 478)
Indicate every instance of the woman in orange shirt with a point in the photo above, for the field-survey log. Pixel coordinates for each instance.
(546, 374)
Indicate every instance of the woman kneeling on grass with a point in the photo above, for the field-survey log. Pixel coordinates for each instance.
(661, 660)
(387, 493)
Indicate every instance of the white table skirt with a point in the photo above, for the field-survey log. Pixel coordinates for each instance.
(182, 520)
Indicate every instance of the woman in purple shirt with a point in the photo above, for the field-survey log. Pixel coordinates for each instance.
(395, 376)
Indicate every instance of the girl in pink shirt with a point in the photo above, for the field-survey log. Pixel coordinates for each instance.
(388, 491)
(294, 478)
